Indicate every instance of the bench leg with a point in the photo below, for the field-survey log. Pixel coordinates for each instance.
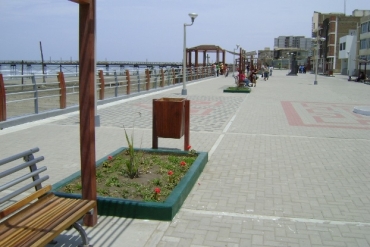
(81, 231)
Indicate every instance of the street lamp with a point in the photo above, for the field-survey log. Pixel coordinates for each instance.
(317, 39)
(237, 47)
(184, 90)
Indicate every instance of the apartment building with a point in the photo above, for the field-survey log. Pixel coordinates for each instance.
(332, 26)
(364, 45)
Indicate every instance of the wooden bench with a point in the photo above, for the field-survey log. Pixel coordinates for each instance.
(34, 219)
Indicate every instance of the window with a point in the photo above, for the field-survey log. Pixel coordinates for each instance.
(341, 46)
(364, 44)
(368, 26)
(344, 45)
(365, 27)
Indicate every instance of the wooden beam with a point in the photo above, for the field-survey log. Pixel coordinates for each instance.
(82, 1)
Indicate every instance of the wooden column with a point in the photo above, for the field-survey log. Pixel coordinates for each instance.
(147, 79)
(87, 103)
(204, 58)
(128, 88)
(102, 85)
(2, 99)
(162, 78)
(189, 59)
(62, 91)
(196, 58)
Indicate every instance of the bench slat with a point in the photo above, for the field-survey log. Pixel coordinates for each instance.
(23, 189)
(18, 156)
(22, 178)
(66, 222)
(45, 221)
(36, 225)
(21, 166)
(20, 204)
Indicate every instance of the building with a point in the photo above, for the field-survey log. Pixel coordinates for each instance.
(364, 45)
(347, 53)
(265, 56)
(332, 26)
(293, 42)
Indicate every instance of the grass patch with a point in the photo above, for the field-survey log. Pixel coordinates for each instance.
(237, 90)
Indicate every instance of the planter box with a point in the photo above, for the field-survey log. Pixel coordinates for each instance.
(236, 90)
(144, 210)
(169, 115)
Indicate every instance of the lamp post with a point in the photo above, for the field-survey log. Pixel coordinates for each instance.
(317, 39)
(237, 47)
(184, 90)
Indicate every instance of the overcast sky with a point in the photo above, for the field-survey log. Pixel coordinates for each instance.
(152, 30)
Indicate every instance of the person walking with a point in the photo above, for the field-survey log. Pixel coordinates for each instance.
(265, 72)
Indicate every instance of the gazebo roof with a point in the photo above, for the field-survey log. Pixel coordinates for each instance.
(206, 48)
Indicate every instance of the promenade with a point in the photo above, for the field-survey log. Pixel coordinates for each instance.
(288, 164)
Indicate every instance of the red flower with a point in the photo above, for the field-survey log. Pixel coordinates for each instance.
(189, 147)
(183, 163)
(157, 190)
(170, 173)
(110, 157)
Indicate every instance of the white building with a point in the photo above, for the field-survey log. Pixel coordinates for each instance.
(347, 53)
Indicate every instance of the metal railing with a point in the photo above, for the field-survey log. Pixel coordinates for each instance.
(32, 94)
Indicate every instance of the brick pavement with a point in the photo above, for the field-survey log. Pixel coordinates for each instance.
(288, 164)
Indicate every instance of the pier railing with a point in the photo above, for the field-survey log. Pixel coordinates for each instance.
(36, 93)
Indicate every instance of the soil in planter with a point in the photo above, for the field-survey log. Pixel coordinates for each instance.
(155, 171)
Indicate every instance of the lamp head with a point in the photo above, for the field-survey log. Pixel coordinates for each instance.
(237, 46)
(193, 16)
(322, 39)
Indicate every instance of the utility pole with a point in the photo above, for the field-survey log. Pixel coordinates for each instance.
(42, 64)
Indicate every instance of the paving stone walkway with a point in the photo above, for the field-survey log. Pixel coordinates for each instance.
(288, 164)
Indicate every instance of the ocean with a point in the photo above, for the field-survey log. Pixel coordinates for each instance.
(52, 69)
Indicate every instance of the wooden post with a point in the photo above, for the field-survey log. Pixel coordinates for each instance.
(62, 91)
(87, 28)
(128, 88)
(147, 79)
(2, 99)
(162, 78)
(102, 85)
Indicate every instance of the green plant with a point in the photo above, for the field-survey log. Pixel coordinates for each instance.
(162, 171)
(131, 166)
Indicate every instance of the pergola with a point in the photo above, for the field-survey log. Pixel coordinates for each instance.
(205, 49)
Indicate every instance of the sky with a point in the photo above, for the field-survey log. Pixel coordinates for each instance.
(153, 30)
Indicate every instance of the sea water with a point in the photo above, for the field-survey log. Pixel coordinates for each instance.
(53, 69)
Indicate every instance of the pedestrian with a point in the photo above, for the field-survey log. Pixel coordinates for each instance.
(270, 70)
(214, 69)
(226, 70)
(242, 77)
(265, 72)
(217, 69)
(253, 77)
